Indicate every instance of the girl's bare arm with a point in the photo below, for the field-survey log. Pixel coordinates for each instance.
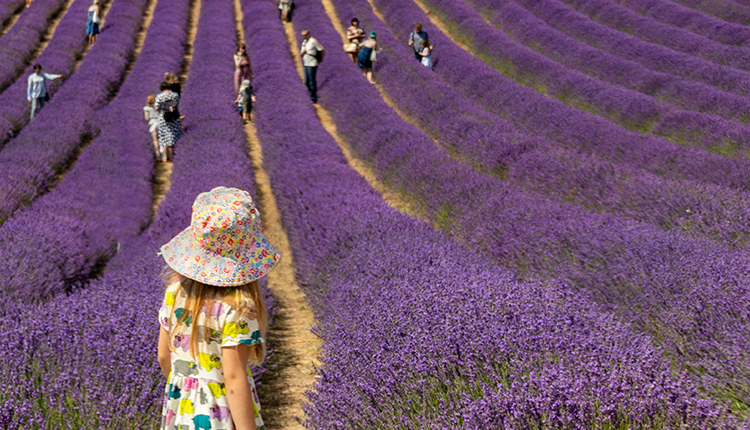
(165, 359)
(239, 394)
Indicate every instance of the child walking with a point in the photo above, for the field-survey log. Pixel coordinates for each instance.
(245, 99)
(152, 116)
(213, 319)
(426, 54)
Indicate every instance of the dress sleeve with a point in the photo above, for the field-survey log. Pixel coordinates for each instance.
(166, 307)
(240, 328)
(157, 102)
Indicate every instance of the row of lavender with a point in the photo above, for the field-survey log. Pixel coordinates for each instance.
(492, 145)
(572, 128)
(17, 46)
(631, 109)
(693, 64)
(30, 161)
(728, 11)
(59, 57)
(106, 334)
(650, 30)
(646, 275)
(680, 16)
(55, 243)
(673, 81)
(458, 342)
(8, 8)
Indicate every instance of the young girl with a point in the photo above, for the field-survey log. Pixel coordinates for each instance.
(245, 99)
(213, 319)
(152, 116)
(426, 54)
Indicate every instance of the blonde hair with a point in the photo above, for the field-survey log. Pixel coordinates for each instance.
(150, 100)
(171, 78)
(245, 299)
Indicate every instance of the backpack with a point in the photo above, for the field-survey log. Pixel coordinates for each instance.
(170, 110)
(320, 54)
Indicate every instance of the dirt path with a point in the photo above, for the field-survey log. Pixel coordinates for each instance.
(12, 20)
(50, 30)
(397, 201)
(163, 171)
(296, 348)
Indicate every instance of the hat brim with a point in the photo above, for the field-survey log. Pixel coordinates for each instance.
(242, 265)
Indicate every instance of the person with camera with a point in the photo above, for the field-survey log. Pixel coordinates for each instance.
(312, 55)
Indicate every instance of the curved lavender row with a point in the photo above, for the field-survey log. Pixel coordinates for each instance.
(359, 261)
(106, 334)
(556, 121)
(32, 159)
(612, 15)
(689, 19)
(17, 46)
(646, 275)
(106, 197)
(634, 60)
(725, 10)
(492, 145)
(59, 57)
(8, 8)
(628, 108)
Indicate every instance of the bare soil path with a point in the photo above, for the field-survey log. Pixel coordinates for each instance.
(163, 171)
(396, 200)
(296, 349)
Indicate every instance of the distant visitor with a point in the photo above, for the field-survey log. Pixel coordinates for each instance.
(36, 91)
(92, 24)
(415, 41)
(312, 55)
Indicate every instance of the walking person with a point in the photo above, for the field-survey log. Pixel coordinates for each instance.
(245, 99)
(213, 318)
(241, 67)
(366, 56)
(152, 116)
(355, 35)
(415, 40)
(36, 90)
(285, 10)
(312, 54)
(92, 25)
(426, 54)
(169, 129)
(174, 82)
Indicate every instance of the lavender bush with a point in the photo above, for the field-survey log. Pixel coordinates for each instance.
(56, 242)
(8, 8)
(458, 342)
(726, 10)
(67, 45)
(106, 333)
(556, 121)
(17, 46)
(631, 109)
(634, 59)
(614, 16)
(683, 17)
(658, 281)
(31, 160)
(494, 146)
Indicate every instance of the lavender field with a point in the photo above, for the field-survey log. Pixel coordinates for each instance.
(550, 230)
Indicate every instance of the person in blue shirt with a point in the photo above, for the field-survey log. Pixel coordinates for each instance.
(36, 92)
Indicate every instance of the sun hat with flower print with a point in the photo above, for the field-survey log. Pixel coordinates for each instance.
(224, 245)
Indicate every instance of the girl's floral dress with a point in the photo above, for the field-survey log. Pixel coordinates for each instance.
(195, 396)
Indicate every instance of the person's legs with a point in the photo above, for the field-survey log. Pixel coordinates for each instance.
(33, 108)
(368, 73)
(36, 105)
(310, 74)
(155, 140)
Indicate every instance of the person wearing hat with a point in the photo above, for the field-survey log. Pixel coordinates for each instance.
(367, 54)
(92, 24)
(213, 319)
(245, 99)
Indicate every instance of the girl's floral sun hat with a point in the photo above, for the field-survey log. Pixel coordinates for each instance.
(224, 245)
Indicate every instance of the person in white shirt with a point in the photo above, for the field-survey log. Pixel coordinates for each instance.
(36, 92)
(310, 52)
